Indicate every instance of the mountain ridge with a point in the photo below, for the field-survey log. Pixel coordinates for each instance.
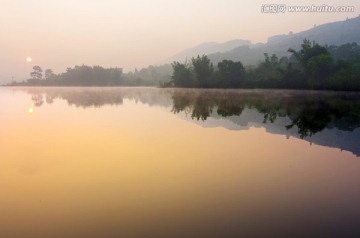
(333, 33)
(208, 48)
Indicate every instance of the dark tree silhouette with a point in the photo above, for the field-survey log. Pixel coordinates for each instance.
(37, 73)
(182, 76)
(203, 70)
(49, 73)
(231, 74)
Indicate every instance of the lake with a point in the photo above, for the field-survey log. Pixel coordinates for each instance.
(148, 162)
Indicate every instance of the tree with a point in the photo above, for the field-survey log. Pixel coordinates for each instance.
(274, 60)
(315, 61)
(284, 60)
(182, 76)
(319, 69)
(231, 73)
(345, 52)
(37, 73)
(203, 70)
(308, 50)
(267, 74)
(48, 73)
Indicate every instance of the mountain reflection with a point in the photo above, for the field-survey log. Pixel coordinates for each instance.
(301, 114)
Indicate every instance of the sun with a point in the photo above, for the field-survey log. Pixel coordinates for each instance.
(31, 110)
(29, 59)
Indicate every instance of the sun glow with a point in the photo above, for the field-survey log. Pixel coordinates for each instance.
(28, 59)
(31, 110)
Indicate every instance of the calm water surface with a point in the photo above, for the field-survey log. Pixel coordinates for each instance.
(145, 162)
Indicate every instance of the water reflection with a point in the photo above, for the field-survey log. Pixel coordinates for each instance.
(309, 112)
(147, 162)
(325, 118)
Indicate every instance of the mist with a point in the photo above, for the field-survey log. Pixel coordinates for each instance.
(132, 34)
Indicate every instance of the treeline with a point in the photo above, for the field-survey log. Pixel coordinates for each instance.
(312, 67)
(77, 76)
(98, 76)
(150, 76)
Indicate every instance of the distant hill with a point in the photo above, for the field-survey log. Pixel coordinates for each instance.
(208, 48)
(335, 33)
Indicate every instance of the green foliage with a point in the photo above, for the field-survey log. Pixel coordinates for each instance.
(89, 76)
(201, 73)
(203, 70)
(77, 76)
(345, 52)
(315, 62)
(312, 67)
(150, 76)
(182, 76)
(267, 74)
(347, 77)
(100, 77)
(307, 51)
(230, 74)
(319, 70)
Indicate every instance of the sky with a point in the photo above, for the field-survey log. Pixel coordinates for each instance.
(133, 34)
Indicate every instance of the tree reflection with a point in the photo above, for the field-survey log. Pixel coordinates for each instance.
(38, 99)
(306, 112)
(310, 113)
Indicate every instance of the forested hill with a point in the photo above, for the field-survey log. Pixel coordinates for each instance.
(335, 33)
(312, 67)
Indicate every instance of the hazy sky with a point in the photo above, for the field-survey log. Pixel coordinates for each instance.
(133, 33)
